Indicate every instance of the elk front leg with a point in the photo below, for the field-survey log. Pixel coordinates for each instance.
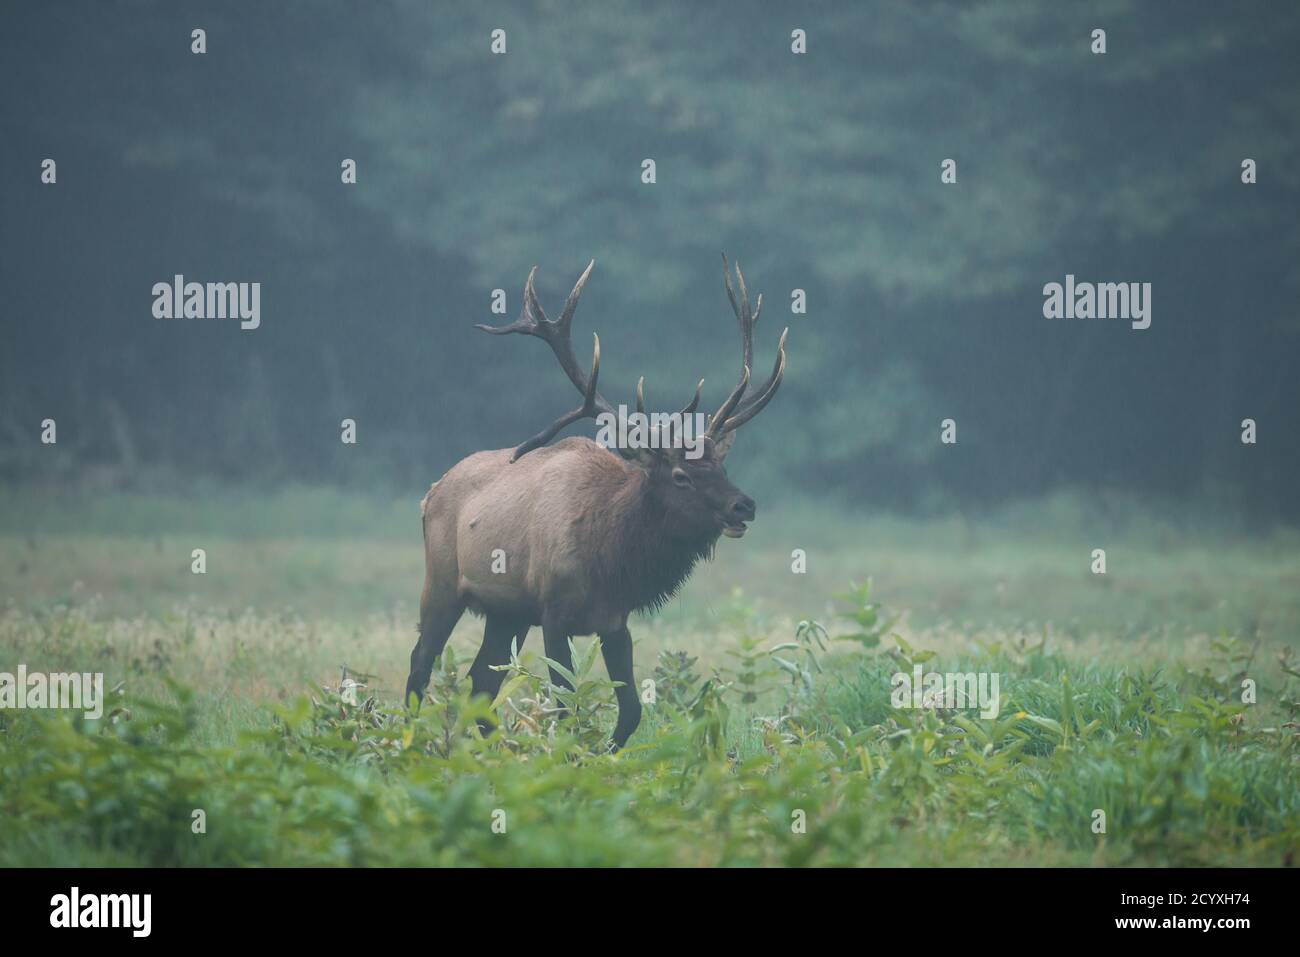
(616, 648)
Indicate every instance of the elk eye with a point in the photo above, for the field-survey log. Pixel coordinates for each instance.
(681, 478)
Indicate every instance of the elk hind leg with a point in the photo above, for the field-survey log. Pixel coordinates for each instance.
(498, 634)
(556, 641)
(436, 622)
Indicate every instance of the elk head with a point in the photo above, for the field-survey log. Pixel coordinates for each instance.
(691, 492)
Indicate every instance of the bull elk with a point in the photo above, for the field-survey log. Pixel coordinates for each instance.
(588, 534)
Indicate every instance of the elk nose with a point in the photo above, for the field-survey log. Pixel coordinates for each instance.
(742, 508)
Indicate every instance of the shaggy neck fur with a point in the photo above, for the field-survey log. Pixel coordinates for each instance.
(642, 559)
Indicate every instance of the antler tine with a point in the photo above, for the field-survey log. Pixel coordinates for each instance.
(764, 396)
(570, 304)
(744, 317)
(746, 407)
(532, 308)
(590, 408)
(687, 410)
(755, 397)
(532, 321)
(694, 403)
(744, 292)
(526, 323)
(726, 278)
(719, 420)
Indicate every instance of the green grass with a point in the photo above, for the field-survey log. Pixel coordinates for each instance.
(1120, 694)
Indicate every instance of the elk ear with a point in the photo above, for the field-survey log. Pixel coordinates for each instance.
(722, 445)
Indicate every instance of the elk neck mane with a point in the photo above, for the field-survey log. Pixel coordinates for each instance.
(637, 555)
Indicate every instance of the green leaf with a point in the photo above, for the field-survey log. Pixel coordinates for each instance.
(507, 690)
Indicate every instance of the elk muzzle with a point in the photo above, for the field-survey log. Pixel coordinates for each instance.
(739, 511)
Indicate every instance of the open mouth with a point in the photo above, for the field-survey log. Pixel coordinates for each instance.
(734, 529)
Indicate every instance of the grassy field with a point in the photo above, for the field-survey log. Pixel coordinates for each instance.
(767, 742)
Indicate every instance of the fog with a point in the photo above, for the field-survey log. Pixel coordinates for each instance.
(823, 173)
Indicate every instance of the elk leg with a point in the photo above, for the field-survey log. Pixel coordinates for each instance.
(616, 648)
(497, 635)
(435, 629)
(556, 642)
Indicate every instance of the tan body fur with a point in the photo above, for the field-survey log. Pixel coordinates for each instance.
(553, 514)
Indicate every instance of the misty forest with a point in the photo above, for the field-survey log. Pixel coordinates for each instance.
(1034, 436)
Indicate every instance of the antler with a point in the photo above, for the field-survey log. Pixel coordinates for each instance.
(746, 408)
(590, 408)
(686, 410)
(532, 321)
(681, 416)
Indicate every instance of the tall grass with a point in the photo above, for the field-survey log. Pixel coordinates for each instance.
(266, 694)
